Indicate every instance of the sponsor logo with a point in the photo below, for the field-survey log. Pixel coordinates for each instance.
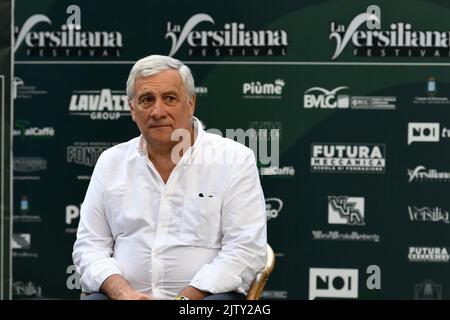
(23, 129)
(428, 214)
(400, 39)
(21, 241)
(201, 91)
(421, 173)
(344, 236)
(431, 86)
(275, 294)
(233, 39)
(348, 158)
(71, 218)
(333, 283)
(431, 94)
(22, 91)
(423, 132)
(23, 212)
(86, 153)
(27, 289)
(277, 171)
(104, 104)
(29, 164)
(24, 205)
(346, 210)
(258, 90)
(273, 207)
(428, 254)
(428, 290)
(325, 99)
(320, 98)
(65, 41)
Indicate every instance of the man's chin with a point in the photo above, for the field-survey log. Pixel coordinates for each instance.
(154, 138)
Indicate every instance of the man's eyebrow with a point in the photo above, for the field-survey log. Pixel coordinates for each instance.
(145, 94)
(170, 91)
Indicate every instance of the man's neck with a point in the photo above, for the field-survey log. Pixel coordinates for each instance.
(163, 158)
(160, 152)
(164, 151)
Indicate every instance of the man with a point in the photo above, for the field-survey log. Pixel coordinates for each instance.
(160, 219)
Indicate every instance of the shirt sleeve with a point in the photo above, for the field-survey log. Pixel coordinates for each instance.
(93, 248)
(244, 229)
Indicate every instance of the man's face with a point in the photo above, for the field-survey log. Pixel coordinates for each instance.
(161, 105)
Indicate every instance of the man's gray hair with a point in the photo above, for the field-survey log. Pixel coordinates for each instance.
(154, 64)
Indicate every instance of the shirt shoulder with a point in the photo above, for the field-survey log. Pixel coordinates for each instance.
(114, 156)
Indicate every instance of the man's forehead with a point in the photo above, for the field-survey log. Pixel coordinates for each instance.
(167, 80)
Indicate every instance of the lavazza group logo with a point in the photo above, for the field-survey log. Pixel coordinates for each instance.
(321, 98)
(348, 158)
(104, 104)
(399, 39)
(232, 39)
(66, 41)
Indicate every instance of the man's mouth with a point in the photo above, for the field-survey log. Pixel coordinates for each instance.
(160, 126)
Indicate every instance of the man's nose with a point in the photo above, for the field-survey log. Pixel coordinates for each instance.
(158, 110)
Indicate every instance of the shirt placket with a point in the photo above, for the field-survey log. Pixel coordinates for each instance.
(164, 218)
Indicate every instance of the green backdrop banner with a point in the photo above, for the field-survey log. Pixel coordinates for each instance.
(6, 63)
(357, 206)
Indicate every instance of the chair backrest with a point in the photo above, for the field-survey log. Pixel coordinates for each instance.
(257, 286)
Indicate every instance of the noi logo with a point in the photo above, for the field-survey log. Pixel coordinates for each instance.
(333, 283)
(423, 132)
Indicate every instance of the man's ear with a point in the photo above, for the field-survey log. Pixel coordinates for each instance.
(130, 104)
(191, 103)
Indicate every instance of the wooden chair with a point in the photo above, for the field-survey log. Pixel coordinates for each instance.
(257, 286)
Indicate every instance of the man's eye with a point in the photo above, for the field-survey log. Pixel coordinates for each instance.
(171, 99)
(146, 100)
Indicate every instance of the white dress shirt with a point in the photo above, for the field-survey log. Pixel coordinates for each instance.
(205, 227)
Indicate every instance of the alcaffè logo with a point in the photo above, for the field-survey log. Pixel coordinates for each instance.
(233, 39)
